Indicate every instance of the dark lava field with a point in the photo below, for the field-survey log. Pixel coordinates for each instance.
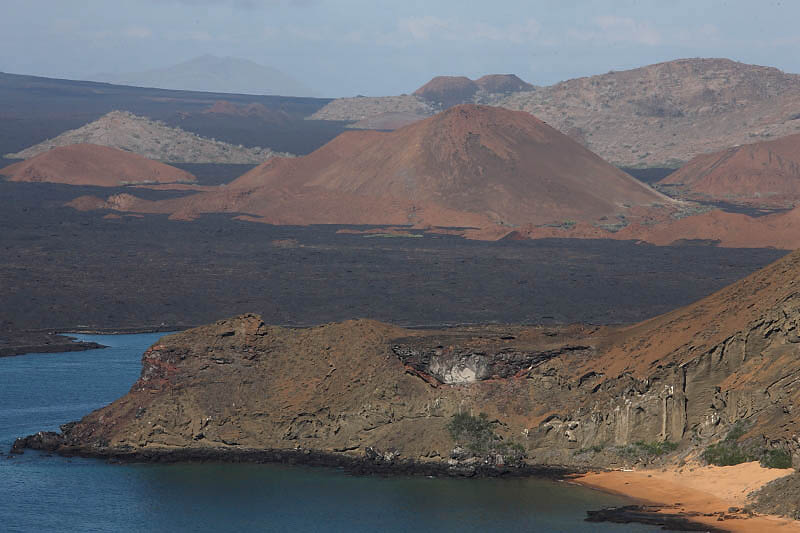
(66, 270)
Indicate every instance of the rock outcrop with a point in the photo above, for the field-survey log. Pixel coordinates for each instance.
(239, 386)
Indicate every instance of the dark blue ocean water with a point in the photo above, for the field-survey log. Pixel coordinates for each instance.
(46, 493)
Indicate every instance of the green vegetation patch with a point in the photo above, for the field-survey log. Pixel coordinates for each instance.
(729, 452)
(776, 458)
(597, 448)
(726, 453)
(657, 447)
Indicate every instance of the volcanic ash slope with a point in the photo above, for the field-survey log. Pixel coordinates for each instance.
(759, 174)
(90, 164)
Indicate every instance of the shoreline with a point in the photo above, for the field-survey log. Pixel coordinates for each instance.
(373, 462)
(715, 497)
(657, 499)
(13, 344)
(16, 343)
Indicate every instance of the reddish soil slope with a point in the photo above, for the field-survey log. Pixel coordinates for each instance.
(469, 166)
(764, 173)
(89, 164)
(680, 335)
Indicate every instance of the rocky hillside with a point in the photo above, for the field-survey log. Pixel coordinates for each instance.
(361, 107)
(386, 121)
(656, 116)
(760, 174)
(469, 166)
(665, 114)
(152, 139)
(89, 164)
(721, 370)
(232, 109)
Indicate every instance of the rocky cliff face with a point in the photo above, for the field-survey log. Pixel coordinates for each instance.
(362, 389)
(694, 389)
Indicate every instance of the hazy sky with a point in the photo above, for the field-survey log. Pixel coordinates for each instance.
(373, 47)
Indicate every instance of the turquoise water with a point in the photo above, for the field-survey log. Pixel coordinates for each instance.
(40, 492)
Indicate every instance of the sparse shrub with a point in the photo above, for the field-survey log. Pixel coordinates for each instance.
(657, 447)
(726, 453)
(597, 448)
(729, 452)
(474, 431)
(776, 458)
(736, 432)
(477, 434)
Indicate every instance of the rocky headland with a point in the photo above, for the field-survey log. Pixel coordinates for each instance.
(24, 342)
(720, 374)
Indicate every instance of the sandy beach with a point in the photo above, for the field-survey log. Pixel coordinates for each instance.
(703, 493)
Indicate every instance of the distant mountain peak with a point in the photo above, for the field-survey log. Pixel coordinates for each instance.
(212, 73)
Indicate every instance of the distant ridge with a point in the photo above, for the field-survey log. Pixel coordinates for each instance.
(152, 139)
(656, 116)
(213, 74)
(442, 92)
